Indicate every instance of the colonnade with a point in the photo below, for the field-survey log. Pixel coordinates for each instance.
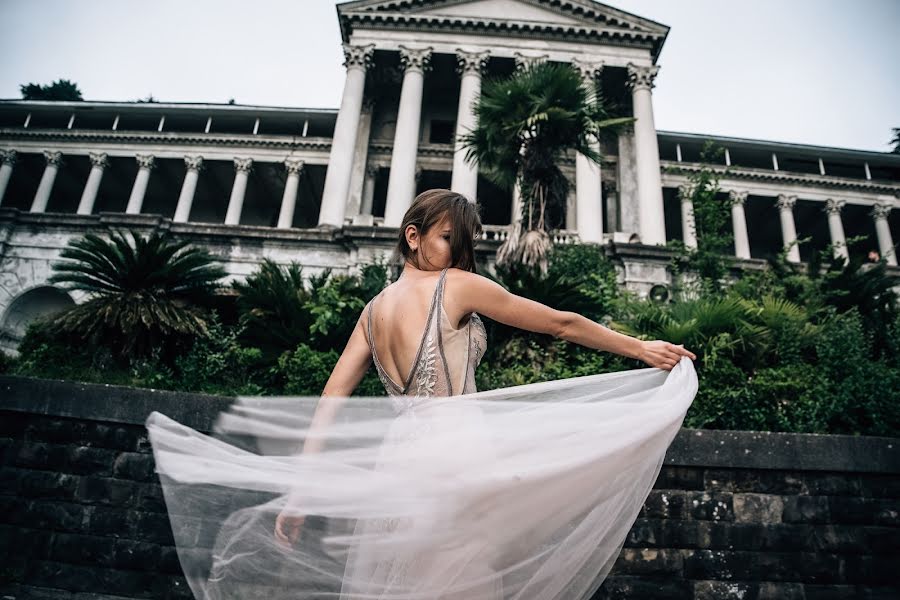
(415, 63)
(194, 164)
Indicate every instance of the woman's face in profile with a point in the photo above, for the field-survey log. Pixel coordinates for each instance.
(434, 247)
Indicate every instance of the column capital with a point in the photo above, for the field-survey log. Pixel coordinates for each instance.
(358, 57)
(833, 207)
(471, 62)
(589, 69)
(193, 163)
(243, 165)
(686, 192)
(99, 159)
(880, 211)
(294, 166)
(8, 157)
(415, 59)
(372, 171)
(737, 197)
(526, 62)
(642, 78)
(145, 161)
(54, 158)
(785, 202)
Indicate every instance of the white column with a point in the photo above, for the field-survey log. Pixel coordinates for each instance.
(340, 161)
(99, 161)
(588, 180)
(739, 224)
(193, 164)
(651, 218)
(289, 199)
(145, 162)
(785, 206)
(242, 168)
(880, 213)
(402, 179)
(836, 227)
(368, 197)
(360, 160)
(8, 160)
(688, 225)
(465, 175)
(42, 196)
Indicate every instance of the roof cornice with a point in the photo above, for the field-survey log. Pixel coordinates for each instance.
(598, 23)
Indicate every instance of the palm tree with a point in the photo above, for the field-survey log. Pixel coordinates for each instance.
(525, 123)
(278, 310)
(141, 296)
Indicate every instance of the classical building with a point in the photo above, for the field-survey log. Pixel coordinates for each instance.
(328, 188)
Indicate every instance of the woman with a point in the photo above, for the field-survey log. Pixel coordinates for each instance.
(523, 492)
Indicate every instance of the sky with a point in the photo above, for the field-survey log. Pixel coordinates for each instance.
(821, 72)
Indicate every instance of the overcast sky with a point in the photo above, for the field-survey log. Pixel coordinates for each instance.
(808, 71)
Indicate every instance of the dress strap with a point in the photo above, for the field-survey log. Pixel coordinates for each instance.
(432, 310)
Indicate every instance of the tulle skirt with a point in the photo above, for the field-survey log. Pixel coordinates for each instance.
(525, 492)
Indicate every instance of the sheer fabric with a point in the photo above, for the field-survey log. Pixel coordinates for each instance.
(436, 492)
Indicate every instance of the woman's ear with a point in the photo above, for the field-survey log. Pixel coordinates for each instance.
(412, 237)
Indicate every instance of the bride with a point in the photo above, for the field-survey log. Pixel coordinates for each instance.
(441, 491)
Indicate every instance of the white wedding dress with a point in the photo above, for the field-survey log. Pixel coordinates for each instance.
(437, 492)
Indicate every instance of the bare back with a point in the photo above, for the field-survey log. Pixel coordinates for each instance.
(416, 340)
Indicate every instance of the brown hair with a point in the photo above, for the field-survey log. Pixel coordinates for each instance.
(427, 209)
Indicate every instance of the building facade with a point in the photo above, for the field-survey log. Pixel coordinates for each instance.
(328, 188)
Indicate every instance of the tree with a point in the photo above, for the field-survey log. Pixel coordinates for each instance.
(62, 89)
(525, 124)
(896, 140)
(709, 259)
(141, 296)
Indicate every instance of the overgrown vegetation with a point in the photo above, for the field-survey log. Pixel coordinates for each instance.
(793, 347)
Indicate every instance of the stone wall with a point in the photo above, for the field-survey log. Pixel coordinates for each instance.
(733, 514)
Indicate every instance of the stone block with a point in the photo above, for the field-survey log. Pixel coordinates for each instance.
(135, 555)
(40, 455)
(664, 504)
(864, 511)
(106, 491)
(806, 509)
(706, 506)
(757, 508)
(87, 460)
(617, 586)
(83, 549)
(679, 478)
(46, 484)
(150, 498)
(879, 485)
(110, 521)
(135, 466)
(54, 515)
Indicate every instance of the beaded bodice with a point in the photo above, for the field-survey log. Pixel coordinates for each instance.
(445, 361)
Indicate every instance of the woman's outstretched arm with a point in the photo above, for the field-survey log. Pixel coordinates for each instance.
(349, 370)
(473, 292)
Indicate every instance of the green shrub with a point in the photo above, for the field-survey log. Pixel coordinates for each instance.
(218, 364)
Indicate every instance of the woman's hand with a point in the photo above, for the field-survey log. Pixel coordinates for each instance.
(288, 527)
(663, 355)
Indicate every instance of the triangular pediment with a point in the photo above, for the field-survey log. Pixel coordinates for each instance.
(575, 13)
(499, 10)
